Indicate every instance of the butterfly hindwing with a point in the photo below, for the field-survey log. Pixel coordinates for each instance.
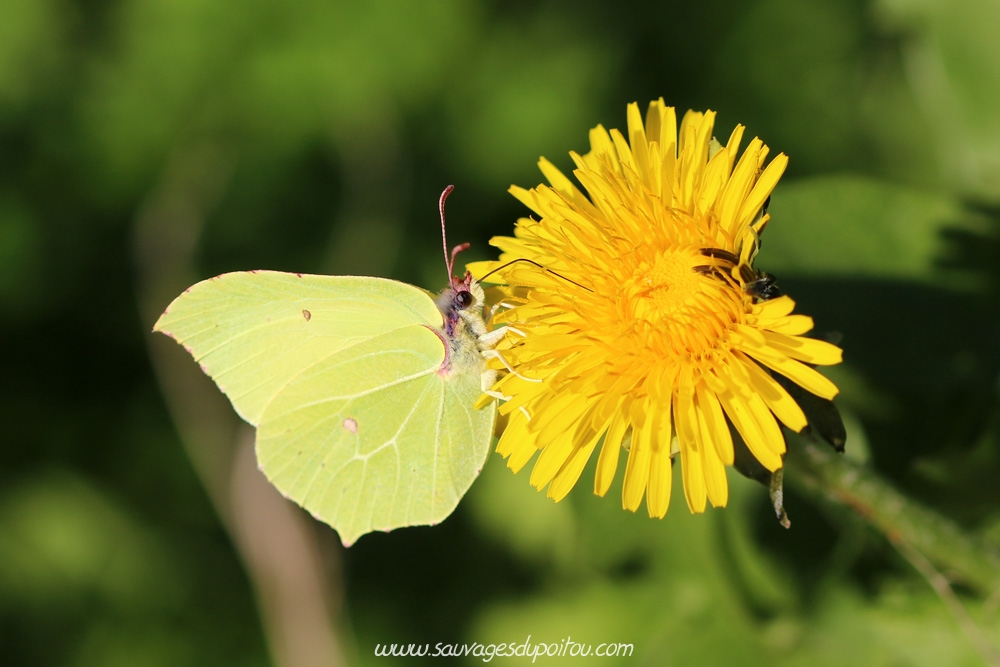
(374, 437)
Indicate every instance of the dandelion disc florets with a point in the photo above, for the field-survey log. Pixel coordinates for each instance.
(641, 328)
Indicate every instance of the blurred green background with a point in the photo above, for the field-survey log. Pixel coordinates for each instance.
(147, 144)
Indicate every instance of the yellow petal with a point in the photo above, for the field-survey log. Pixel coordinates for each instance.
(778, 400)
(561, 183)
(624, 152)
(739, 413)
(607, 462)
(715, 426)
(733, 147)
(802, 375)
(792, 325)
(761, 190)
(554, 455)
(516, 444)
(568, 475)
(602, 151)
(686, 420)
(773, 438)
(714, 471)
(637, 468)
(660, 481)
(738, 188)
(809, 350)
(774, 308)
(638, 143)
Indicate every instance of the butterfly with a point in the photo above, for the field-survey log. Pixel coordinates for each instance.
(363, 390)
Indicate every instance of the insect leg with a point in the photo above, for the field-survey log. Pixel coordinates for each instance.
(494, 354)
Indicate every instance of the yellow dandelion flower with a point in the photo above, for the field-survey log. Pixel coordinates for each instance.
(639, 322)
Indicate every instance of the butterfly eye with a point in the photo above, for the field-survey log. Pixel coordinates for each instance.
(463, 299)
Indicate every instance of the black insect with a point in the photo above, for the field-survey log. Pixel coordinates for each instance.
(763, 288)
(760, 285)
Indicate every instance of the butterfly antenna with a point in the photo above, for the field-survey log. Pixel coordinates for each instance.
(449, 260)
(543, 268)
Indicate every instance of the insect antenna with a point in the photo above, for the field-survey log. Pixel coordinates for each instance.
(449, 260)
(543, 268)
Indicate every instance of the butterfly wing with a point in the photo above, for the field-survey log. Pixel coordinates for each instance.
(357, 419)
(375, 438)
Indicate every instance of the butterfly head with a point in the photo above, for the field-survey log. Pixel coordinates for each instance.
(463, 294)
(460, 300)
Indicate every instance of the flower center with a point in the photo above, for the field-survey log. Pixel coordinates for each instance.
(673, 310)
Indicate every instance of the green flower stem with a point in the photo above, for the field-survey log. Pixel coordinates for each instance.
(906, 524)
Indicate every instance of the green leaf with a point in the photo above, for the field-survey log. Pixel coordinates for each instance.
(857, 227)
(362, 418)
(953, 60)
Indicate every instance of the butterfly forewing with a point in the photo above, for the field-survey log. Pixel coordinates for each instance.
(252, 331)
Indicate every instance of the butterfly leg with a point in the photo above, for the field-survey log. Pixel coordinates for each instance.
(490, 339)
(495, 354)
(495, 307)
(516, 331)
